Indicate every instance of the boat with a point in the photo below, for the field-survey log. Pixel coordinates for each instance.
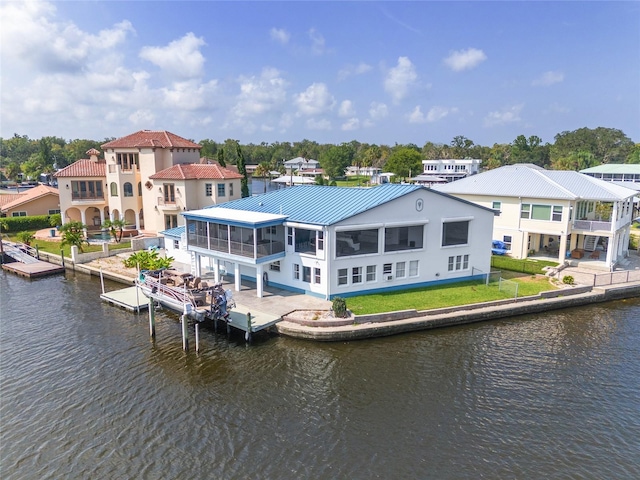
(187, 294)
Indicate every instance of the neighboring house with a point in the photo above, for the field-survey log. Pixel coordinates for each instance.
(615, 172)
(175, 244)
(188, 187)
(449, 169)
(117, 186)
(39, 200)
(333, 241)
(365, 171)
(302, 166)
(565, 213)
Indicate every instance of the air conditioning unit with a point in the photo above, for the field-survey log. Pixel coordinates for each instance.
(388, 278)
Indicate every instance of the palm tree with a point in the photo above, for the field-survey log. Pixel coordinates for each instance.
(263, 171)
(73, 234)
(116, 228)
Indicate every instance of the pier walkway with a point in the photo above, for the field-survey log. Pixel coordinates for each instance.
(26, 264)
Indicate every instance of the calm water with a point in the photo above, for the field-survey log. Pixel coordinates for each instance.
(85, 394)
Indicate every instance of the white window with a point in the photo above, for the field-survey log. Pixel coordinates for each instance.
(496, 206)
(400, 270)
(275, 266)
(316, 275)
(458, 262)
(208, 189)
(176, 244)
(455, 233)
(371, 273)
(507, 242)
(296, 271)
(19, 214)
(387, 269)
(342, 276)
(413, 268)
(356, 275)
(556, 215)
(221, 192)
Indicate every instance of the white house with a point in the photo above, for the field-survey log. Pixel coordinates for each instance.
(333, 241)
(450, 169)
(565, 213)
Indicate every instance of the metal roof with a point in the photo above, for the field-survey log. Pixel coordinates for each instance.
(526, 181)
(312, 204)
(173, 232)
(614, 168)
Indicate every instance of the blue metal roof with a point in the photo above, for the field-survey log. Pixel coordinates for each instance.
(173, 232)
(320, 205)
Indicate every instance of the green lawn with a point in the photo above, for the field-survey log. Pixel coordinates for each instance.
(354, 181)
(54, 247)
(446, 295)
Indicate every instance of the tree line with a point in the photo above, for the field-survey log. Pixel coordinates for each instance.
(21, 156)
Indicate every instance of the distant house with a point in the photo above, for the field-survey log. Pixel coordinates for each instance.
(302, 166)
(563, 213)
(39, 200)
(449, 169)
(333, 241)
(614, 172)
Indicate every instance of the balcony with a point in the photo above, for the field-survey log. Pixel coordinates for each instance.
(86, 198)
(591, 226)
(168, 204)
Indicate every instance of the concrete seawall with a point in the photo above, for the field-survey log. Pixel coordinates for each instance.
(452, 316)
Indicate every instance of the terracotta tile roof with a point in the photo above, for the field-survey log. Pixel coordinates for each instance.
(93, 151)
(186, 171)
(84, 168)
(151, 138)
(30, 195)
(9, 197)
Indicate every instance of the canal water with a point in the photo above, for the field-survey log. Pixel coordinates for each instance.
(86, 394)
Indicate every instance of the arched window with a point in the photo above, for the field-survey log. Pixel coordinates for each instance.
(114, 189)
(127, 190)
(139, 189)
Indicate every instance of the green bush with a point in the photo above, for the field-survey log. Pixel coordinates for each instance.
(567, 280)
(146, 260)
(36, 222)
(25, 237)
(339, 307)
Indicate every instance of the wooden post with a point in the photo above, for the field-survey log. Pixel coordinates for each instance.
(152, 318)
(62, 257)
(101, 280)
(185, 339)
(37, 252)
(247, 334)
(197, 338)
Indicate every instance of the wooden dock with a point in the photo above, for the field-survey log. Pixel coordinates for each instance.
(34, 269)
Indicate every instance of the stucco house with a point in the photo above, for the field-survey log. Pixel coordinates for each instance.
(449, 169)
(118, 185)
(39, 200)
(563, 213)
(335, 241)
(189, 187)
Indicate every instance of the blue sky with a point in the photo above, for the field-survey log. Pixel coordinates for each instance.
(376, 72)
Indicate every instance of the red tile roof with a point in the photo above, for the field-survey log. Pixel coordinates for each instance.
(186, 171)
(9, 197)
(84, 168)
(151, 138)
(30, 195)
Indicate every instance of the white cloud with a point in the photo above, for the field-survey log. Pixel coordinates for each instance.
(437, 113)
(416, 116)
(504, 116)
(547, 79)
(352, 70)
(465, 59)
(351, 124)
(318, 124)
(280, 35)
(317, 42)
(400, 78)
(180, 59)
(377, 111)
(142, 118)
(189, 95)
(260, 95)
(346, 109)
(314, 100)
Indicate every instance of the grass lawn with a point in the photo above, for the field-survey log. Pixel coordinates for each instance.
(462, 293)
(54, 247)
(354, 181)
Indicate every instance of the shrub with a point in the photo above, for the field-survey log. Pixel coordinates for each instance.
(25, 237)
(339, 307)
(567, 280)
(35, 222)
(146, 260)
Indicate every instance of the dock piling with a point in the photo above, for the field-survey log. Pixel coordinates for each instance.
(101, 280)
(197, 338)
(185, 339)
(152, 318)
(247, 335)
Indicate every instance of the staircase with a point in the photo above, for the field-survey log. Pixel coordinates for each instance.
(590, 242)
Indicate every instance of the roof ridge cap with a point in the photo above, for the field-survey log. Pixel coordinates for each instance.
(553, 182)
